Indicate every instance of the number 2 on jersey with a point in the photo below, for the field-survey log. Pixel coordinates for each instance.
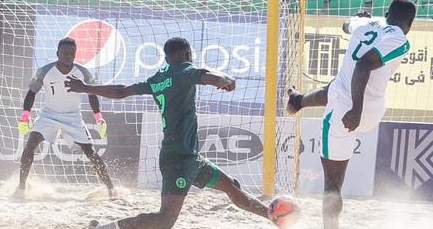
(366, 42)
(161, 99)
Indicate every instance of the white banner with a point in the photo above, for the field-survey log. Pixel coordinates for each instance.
(360, 172)
(235, 143)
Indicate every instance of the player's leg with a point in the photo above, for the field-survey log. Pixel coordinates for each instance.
(164, 219)
(334, 173)
(27, 157)
(211, 176)
(297, 100)
(239, 197)
(178, 172)
(337, 148)
(98, 164)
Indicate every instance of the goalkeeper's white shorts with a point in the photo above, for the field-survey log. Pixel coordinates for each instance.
(338, 143)
(70, 125)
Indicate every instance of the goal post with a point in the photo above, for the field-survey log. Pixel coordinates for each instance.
(284, 64)
(270, 119)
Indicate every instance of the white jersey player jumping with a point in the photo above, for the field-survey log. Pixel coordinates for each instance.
(61, 111)
(355, 99)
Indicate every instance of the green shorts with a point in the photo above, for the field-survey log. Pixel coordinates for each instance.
(179, 172)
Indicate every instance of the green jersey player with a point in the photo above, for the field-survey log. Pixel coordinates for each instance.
(173, 88)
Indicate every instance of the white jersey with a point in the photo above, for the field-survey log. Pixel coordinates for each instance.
(390, 44)
(57, 98)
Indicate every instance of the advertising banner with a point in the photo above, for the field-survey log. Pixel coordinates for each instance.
(359, 179)
(234, 143)
(126, 47)
(404, 166)
(238, 150)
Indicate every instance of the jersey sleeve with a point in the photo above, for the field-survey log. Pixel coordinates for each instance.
(88, 77)
(142, 88)
(391, 47)
(192, 75)
(37, 81)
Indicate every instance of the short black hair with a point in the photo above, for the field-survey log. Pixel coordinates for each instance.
(67, 41)
(175, 44)
(402, 10)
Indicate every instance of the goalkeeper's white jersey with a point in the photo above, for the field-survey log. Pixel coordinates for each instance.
(390, 44)
(52, 80)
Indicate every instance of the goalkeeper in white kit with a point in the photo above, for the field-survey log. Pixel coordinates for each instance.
(61, 111)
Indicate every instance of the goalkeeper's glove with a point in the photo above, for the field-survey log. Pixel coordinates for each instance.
(24, 122)
(102, 124)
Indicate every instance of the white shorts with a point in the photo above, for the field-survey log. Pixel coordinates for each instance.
(71, 125)
(338, 143)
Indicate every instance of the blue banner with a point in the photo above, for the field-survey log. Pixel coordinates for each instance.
(124, 47)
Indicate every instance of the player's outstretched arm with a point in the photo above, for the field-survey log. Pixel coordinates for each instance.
(110, 91)
(218, 79)
(361, 75)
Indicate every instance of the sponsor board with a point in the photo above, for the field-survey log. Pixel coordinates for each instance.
(124, 50)
(234, 143)
(360, 171)
(404, 165)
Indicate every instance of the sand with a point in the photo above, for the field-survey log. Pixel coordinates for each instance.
(73, 206)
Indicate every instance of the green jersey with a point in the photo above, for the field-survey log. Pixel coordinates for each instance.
(173, 89)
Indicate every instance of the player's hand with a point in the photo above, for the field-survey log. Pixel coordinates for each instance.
(352, 119)
(74, 84)
(230, 87)
(102, 124)
(363, 13)
(24, 123)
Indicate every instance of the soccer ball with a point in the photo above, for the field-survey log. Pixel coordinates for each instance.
(284, 211)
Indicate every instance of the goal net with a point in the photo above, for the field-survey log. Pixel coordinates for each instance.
(121, 42)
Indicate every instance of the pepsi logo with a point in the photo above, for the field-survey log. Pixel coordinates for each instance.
(100, 46)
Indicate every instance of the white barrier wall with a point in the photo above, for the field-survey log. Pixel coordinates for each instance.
(240, 152)
(360, 172)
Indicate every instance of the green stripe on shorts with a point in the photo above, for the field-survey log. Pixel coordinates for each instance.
(325, 133)
(215, 178)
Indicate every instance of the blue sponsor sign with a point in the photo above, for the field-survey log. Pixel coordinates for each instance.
(404, 165)
(121, 46)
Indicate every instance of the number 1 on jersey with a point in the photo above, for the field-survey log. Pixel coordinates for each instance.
(161, 99)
